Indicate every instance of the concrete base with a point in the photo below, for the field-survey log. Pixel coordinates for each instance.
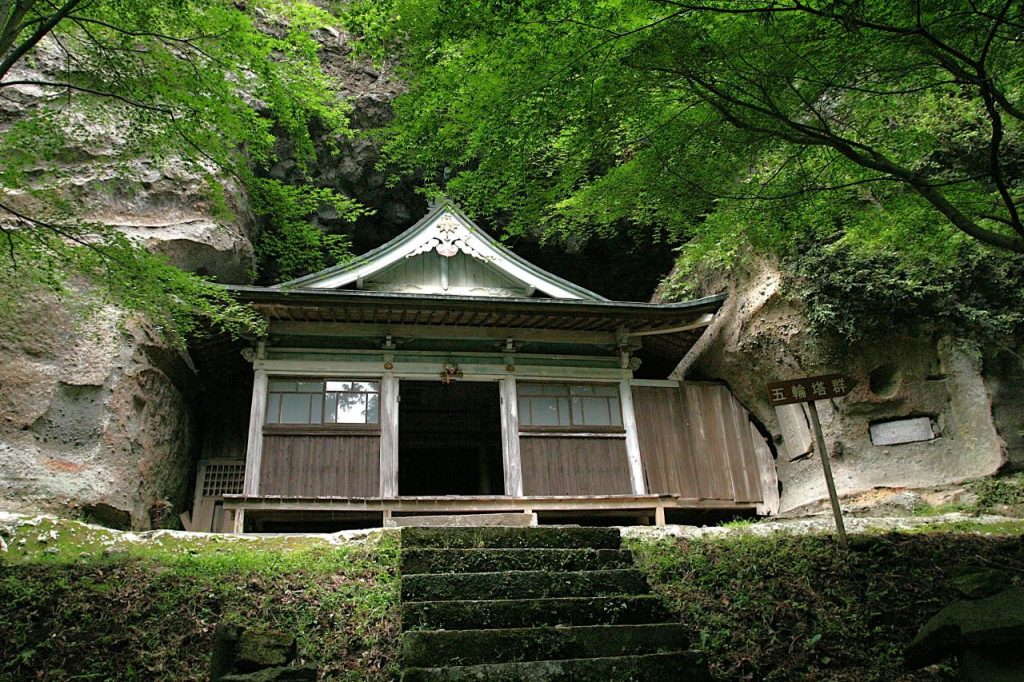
(463, 520)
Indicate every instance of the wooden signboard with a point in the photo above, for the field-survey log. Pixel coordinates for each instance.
(808, 390)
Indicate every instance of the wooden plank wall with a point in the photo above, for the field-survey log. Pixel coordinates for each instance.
(556, 465)
(698, 441)
(321, 466)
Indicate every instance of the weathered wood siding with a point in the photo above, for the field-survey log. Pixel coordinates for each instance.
(556, 465)
(697, 441)
(330, 465)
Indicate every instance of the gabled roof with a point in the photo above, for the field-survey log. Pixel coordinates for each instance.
(444, 231)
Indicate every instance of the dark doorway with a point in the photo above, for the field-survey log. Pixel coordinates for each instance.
(449, 439)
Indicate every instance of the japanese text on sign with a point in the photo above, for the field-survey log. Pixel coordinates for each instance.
(810, 388)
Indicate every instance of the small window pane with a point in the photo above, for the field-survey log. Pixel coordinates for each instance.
(524, 411)
(609, 391)
(316, 408)
(282, 385)
(351, 408)
(330, 408)
(339, 385)
(528, 389)
(372, 408)
(273, 408)
(311, 387)
(616, 410)
(543, 412)
(563, 412)
(554, 389)
(595, 412)
(367, 386)
(295, 408)
(577, 411)
(582, 390)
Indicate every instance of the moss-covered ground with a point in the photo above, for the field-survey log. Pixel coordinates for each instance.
(795, 607)
(81, 603)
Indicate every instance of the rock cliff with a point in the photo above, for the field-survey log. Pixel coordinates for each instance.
(954, 412)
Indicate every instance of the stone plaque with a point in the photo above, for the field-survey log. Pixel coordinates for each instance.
(902, 431)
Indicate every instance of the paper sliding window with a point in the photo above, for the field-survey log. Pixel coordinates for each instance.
(569, 407)
(323, 402)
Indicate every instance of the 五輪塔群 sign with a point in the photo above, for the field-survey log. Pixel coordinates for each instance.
(810, 388)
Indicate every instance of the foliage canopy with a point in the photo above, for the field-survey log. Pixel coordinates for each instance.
(864, 127)
(208, 85)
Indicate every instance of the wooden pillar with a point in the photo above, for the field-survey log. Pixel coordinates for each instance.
(636, 466)
(254, 447)
(389, 436)
(510, 437)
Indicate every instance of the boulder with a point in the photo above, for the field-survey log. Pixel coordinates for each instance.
(761, 335)
(986, 634)
(95, 414)
(253, 655)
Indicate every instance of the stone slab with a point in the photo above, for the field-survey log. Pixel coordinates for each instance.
(514, 519)
(996, 621)
(902, 431)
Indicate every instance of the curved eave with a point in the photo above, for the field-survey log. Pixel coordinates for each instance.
(362, 307)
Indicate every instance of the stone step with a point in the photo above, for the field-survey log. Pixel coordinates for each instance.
(434, 648)
(522, 585)
(446, 521)
(520, 613)
(676, 666)
(555, 537)
(486, 560)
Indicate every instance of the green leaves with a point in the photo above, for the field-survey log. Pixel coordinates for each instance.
(292, 244)
(726, 131)
(207, 88)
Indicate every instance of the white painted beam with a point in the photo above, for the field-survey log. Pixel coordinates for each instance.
(636, 466)
(389, 390)
(441, 332)
(254, 446)
(510, 454)
(337, 367)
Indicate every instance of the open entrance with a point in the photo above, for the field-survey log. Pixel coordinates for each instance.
(449, 439)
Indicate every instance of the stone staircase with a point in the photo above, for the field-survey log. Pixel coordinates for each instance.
(549, 603)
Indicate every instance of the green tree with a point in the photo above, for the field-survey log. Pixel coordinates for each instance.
(597, 96)
(860, 127)
(209, 84)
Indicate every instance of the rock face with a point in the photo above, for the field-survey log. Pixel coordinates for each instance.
(166, 204)
(94, 414)
(761, 336)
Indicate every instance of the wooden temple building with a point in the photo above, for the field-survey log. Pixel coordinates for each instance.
(443, 374)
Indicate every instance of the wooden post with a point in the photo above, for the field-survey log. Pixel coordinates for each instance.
(254, 446)
(510, 456)
(238, 522)
(636, 466)
(389, 436)
(836, 510)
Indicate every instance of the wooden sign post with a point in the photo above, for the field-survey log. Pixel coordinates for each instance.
(809, 390)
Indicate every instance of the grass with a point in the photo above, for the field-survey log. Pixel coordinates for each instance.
(71, 609)
(1001, 494)
(85, 603)
(795, 607)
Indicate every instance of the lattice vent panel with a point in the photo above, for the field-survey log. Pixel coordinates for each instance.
(223, 478)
